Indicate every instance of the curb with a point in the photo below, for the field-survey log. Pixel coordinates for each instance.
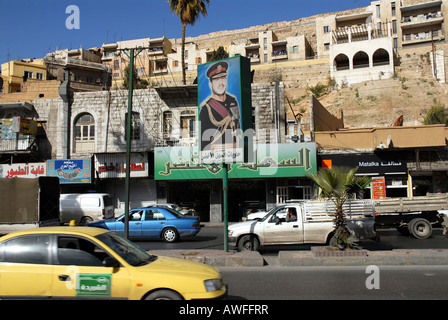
(215, 258)
(390, 258)
(218, 258)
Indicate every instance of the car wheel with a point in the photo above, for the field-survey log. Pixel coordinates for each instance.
(248, 243)
(170, 235)
(85, 221)
(420, 228)
(163, 295)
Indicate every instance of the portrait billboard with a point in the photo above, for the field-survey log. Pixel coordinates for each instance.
(225, 110)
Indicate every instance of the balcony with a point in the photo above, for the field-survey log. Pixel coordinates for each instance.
(420, 37)
(422, 20)
(361, 32)
(22, 144)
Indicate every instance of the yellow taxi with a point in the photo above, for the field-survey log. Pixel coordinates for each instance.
(87, 262)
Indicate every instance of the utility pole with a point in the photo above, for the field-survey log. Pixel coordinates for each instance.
(128, 146)
(225, 187)
(127, 190)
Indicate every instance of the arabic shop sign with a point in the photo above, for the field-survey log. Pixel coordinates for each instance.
(70, 171)
(366, 163)
(270, 161)
(109, 165)
(23, 170)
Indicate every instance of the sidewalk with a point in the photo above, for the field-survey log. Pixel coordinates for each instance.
(313, 257)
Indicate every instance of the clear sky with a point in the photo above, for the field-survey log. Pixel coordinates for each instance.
(31, 29)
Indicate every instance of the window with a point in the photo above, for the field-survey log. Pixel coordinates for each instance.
(326, 29)
(136, 215)
(39, 76)
(32, 249)
(394, 10)
(154, 215)
(85, 128)
(28, 74)
(135, 125)
(187, 120)
(116, 65)
(378, 11)
(394, 26)
(265, 43)
(167, 124)
(80, 252)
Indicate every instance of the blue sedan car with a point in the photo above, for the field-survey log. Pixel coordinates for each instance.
(153, 223)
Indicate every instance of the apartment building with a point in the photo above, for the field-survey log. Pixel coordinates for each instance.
(360, 44)
(87, 73)
(16, 72)
(151, 58)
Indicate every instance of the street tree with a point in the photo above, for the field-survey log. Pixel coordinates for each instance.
(189, 12)
(340, 184)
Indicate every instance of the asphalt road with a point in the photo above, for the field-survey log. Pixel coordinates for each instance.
(212, 238)
(330, 283)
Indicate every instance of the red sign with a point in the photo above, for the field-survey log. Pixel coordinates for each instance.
(378, 188)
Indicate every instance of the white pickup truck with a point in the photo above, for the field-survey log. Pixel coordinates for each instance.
(313, 224)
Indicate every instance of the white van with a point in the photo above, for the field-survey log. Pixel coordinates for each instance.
(85, 207)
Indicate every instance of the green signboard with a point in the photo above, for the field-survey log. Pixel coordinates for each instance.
(92, 284)
(270, 161)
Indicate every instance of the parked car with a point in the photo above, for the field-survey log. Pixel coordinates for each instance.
(185, 211)
(82, 262)
(153, 223)
(257, 215)
(85, 207)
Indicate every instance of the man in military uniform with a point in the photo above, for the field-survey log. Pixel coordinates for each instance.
(219, 114)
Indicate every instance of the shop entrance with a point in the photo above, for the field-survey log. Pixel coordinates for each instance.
(244, 196)
(191, 194)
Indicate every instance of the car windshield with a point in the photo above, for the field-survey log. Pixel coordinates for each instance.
(127, 250)
(269, 213)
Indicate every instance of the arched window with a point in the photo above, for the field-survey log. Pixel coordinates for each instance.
(84, 133)
(360, 60)
(381, 58)
(341, 62)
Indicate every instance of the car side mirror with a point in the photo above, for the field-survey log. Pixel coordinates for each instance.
(110, 262)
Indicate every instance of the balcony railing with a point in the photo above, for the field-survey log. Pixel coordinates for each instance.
(22, 143)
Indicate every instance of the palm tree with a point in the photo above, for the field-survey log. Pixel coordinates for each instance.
(188, 11)
(340, 184)
(436, 115)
